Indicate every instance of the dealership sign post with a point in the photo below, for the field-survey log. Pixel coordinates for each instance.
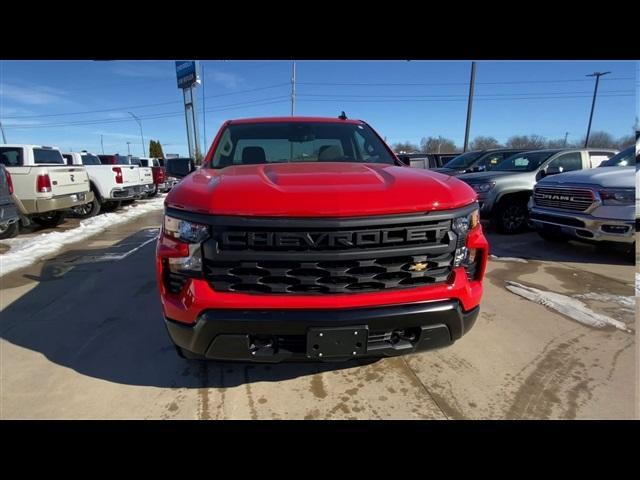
(188, 80)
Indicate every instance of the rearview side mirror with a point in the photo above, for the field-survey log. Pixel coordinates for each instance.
(180, 167)
(552, 170)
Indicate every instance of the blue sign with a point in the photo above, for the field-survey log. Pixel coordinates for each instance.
(187, 73)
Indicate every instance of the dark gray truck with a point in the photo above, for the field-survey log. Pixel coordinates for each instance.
(9, 216)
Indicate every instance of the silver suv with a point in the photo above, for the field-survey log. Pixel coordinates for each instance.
(503, 192)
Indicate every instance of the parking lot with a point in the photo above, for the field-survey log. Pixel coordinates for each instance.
(82, 337)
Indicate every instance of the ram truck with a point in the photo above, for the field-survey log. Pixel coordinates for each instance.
(505, 190)
(110, 184)
(146, 176)
(477, 161)
(594, 206)
(141, 178)
(9, 216)
(306, 239)
(45, 188)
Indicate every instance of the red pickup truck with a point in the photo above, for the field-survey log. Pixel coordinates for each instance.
(305, 238)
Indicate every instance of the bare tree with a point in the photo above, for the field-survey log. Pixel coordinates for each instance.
(438, 144)
(601, 140)
(557, 143)
(483, 143)
(527, 141)
(626, 141)
(405, 147)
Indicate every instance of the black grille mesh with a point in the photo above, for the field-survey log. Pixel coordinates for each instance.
(339, 276)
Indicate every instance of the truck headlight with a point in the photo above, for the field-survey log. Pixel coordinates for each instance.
(483, 187)
(618, 196)
(193, 234)
(462, 226)
(189, 232)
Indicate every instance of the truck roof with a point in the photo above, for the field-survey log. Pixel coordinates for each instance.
(295, 120)
(23, 145)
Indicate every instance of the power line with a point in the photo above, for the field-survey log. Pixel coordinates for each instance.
(142, 106)
(515, 82)
(334, 95)
(338, 100)
(153, 117)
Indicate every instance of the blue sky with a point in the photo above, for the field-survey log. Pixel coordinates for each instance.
(42, 102)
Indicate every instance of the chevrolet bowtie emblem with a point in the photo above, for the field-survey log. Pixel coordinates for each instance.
(418, 267)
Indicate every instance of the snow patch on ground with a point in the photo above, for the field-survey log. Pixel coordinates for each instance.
(637, 284)
(27, 251)
(508, 259)
(568, 306)
(623, 301)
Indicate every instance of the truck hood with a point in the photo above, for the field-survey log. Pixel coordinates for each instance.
(318, 190)
(615, 177)
(493, 175)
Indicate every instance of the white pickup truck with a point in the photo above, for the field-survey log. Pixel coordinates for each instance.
(144, 174)
(110, 184)
(45, 188)
(595, 206)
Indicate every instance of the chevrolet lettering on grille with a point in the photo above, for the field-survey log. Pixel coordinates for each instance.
(327, 239)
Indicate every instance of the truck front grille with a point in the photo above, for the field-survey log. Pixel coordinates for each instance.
(332, 276)
(564, 198)
(330, 256)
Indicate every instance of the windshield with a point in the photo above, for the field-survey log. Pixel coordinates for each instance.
(622, 159)
(523, 162)
(260, 143)
(463, 161)
(90, 160)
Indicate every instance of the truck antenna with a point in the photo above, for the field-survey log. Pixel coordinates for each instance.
(343, 116)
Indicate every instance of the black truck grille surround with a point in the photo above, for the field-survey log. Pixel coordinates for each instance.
(328, 256)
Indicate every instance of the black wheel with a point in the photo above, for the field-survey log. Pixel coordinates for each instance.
(511, 216)
(87, 210)
(49, 219)
(9, 230)
(553, 237)
(110, 206)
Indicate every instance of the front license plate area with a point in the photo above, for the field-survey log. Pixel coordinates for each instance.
(337, 342)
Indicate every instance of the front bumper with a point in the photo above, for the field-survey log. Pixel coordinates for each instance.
(241, 335)
(584, 226)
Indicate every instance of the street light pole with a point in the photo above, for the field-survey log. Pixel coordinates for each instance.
(101, 144)
(593, 103)
(469, 106)
(128, 149)
(293, 88)
(4, 138)
(141, 134)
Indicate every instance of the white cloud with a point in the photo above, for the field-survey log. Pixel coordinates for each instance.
(31, 95)
(144, 70)
(227, 80)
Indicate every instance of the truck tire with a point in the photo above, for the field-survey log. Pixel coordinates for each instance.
(511, 216)
(49, 219)
(553, 237)
(88, 210)
(110, 206)
(10, 230)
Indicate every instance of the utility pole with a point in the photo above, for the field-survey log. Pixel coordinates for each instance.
(593, 103)
(128, 149)
(469, 105)
(293, 88)
(566, 134)
(4, 138)
(204, 115)
(141, 135)
(101, 144)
